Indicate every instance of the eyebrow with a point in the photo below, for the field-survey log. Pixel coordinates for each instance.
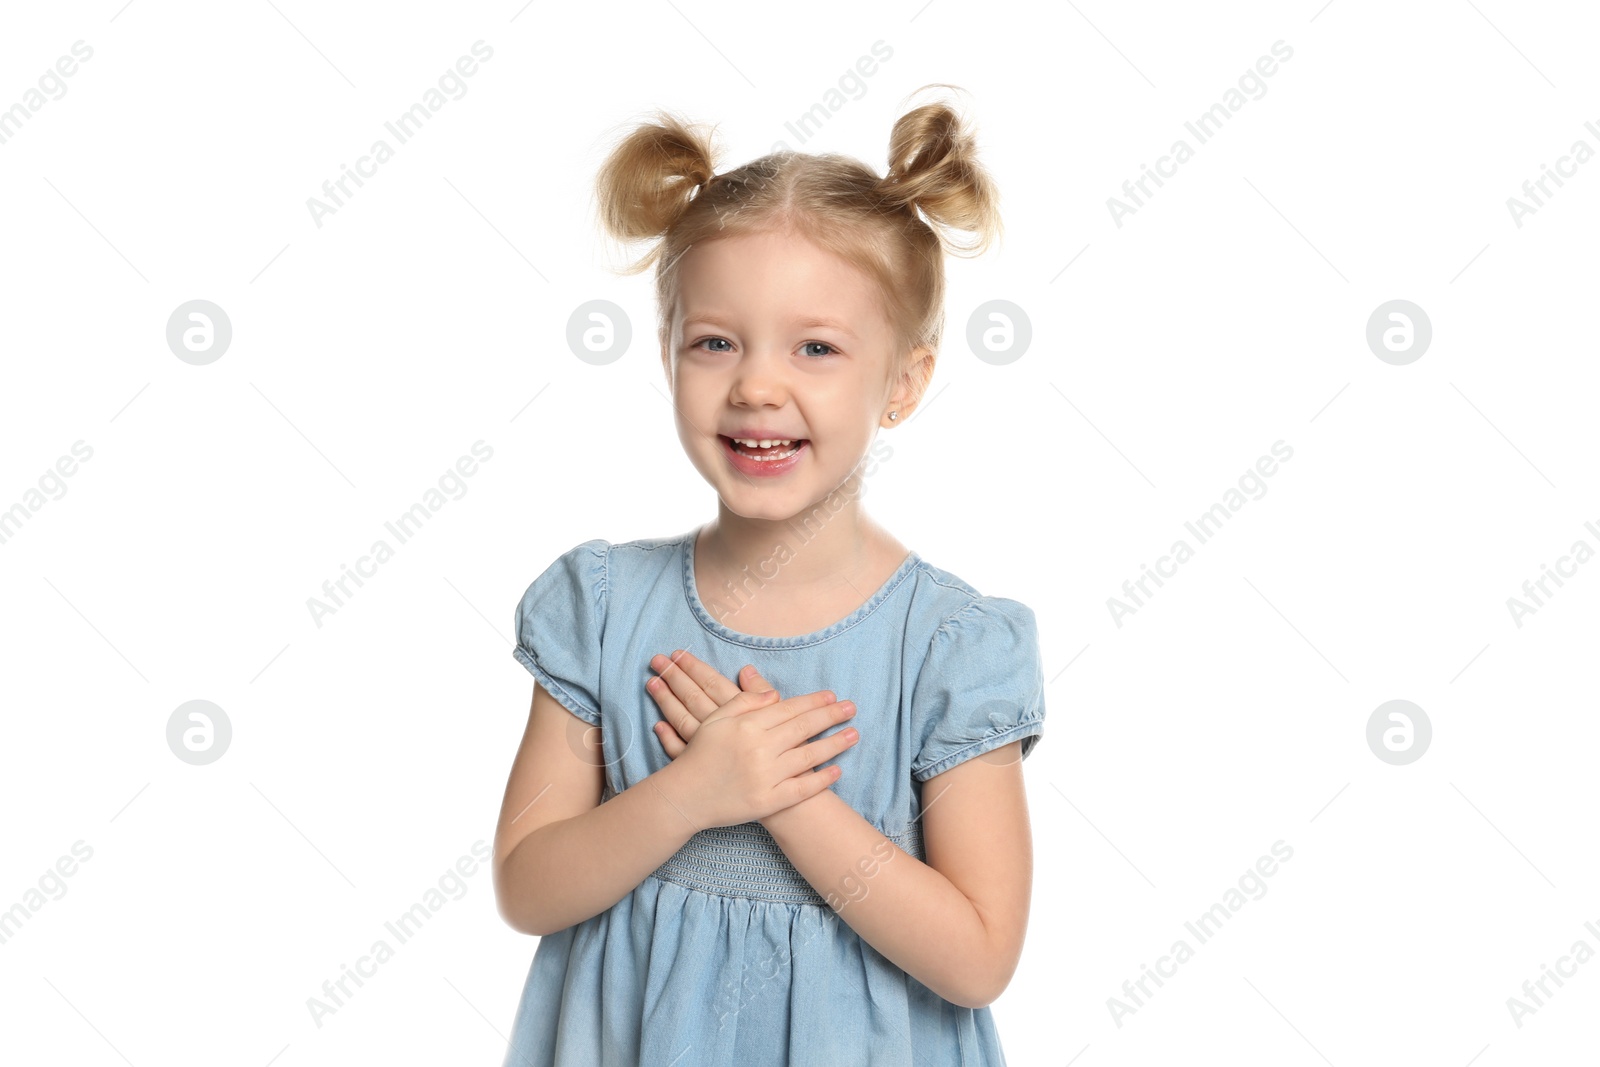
(811, 322)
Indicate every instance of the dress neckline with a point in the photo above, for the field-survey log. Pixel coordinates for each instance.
(691, 595)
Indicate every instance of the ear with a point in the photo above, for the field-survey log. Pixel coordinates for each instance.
(911, 387)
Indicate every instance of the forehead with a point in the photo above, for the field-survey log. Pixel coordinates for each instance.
(778, 275)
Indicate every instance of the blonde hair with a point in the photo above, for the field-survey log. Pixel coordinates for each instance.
(660, 182)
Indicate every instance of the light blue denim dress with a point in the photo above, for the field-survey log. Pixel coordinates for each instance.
(725, 954)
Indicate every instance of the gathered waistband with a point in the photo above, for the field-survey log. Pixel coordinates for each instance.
(744, 861)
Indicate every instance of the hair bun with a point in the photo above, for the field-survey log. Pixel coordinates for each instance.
(933, 167)
(650, 178)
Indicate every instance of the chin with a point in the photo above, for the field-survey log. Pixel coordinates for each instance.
(768, 510)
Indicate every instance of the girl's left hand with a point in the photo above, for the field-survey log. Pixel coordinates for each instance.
(687, 691)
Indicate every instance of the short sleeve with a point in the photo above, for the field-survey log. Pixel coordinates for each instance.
(980, 687)
(559, 623)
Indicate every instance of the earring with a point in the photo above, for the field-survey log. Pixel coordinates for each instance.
(893, 415)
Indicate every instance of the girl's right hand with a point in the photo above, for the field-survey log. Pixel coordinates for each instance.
(751, 757)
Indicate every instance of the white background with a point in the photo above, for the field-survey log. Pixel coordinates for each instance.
(429, 312)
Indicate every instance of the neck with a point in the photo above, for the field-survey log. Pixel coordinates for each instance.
(823, 544)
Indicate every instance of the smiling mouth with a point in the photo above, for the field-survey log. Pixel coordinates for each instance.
(769, 454)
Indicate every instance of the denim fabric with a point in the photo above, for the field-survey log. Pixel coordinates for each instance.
(725, 955)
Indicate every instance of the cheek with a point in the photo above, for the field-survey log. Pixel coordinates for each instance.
(692, 440)
(846, 419)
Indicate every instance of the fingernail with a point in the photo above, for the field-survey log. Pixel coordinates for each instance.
(848, 706)
(852, 733)
(676, 654)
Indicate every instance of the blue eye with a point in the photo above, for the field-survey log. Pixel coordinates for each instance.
(806, 348)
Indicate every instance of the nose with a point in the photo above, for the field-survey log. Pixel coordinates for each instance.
(759, 379)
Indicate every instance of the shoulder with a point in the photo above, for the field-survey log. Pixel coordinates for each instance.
(980, 682)
(575, 580)
(604, 569)
(638, 564)
(584, 564)
(644, 549)
(943, 604)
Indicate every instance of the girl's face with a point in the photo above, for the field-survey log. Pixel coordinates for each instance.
(773, 337)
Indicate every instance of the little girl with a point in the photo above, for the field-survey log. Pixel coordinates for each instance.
(805, 864)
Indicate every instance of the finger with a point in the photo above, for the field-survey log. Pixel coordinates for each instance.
(819, 751)
(708, 678)
(813, 722)
(784, 710)
(685, 689)
(807, 785)
(691, 688)
(751, 680)
(672, 708)
(745, 704)
(670, 740)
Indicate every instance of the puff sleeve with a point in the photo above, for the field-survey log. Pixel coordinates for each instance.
(979, 688)
(559, 624)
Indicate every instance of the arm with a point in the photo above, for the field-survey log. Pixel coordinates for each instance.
(560, 856)
(974, 890)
